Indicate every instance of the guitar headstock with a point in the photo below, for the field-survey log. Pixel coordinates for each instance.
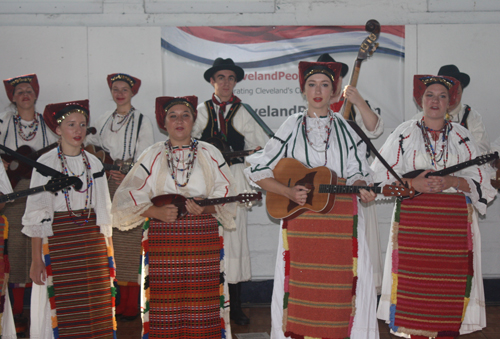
(369, 46)
(247, 198)
(57, 184)
(484, 159)
(398, 191)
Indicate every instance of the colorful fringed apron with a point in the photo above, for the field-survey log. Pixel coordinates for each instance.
(4, 265)
(184, 279)
(432, 264)
(321, 252)
(80, 274)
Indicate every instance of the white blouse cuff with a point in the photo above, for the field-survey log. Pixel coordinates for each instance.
(106, 230)
(257, 176)
(38, 231)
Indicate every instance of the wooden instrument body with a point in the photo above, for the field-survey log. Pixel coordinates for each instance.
(290, 173)
(322, 185)
(180, 201)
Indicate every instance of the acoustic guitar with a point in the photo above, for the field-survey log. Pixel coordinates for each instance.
(180, 201)
(18, 170)
(52, 185)
(322, 185)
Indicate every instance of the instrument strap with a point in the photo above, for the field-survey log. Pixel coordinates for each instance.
(43, 169)
(372, 148)
(261, 123)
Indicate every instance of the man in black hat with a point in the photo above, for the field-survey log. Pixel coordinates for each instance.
(462, 113)
(226, 119)
(370, 122)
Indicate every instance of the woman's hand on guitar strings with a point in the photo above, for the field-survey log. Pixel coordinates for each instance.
(365, 195)
(298, 194)
(165, 213)
(194, 208)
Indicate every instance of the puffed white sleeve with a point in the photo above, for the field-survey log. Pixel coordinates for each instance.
(254, 134)
(262, 163)
(133, 196)
(102, 202)
(478, 131)
(39, 214)
(357, 163)
(146, 136)
(5, 186)
(392, 152)
(219, 183)
(201, 121)
(477, 177)
(377, 131)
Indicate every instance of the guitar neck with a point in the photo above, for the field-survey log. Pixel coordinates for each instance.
(482, 159)
(340, 189)
(216, 201)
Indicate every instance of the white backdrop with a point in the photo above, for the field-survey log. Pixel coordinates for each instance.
(72, 63)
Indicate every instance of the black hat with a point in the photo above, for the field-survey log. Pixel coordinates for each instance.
(222, 64)
(454, 72)
(325, 57)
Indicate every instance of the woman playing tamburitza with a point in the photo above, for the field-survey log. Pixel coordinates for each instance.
(183, 287)
(323, 283)
(432, 284)
(72, 255)
(22, 126)
(124, 133)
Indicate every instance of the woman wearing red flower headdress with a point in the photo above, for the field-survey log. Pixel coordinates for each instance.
(23, 129)
(323, 282)
(432, 284)
(124, 133)
(72, 254)
(184, 293)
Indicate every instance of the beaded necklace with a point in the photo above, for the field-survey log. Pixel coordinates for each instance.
(32, 127)
(129, 118)
(189, 164)
(328, 134)
(436, 156)
(90, 182)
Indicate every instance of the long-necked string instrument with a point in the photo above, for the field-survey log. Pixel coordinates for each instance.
(367, 48)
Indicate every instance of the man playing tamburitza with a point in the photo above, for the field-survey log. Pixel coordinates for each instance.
(225, 118)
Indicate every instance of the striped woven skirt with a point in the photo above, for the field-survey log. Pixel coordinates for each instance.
(80, 271)
(432, 264)
(184, 279)
(321, 253)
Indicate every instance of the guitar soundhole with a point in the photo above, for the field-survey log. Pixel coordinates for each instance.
(13, 165)
(307, 181)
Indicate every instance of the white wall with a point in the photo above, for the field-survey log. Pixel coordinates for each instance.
(73, 53)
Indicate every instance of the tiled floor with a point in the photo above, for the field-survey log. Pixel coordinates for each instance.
(260, 321)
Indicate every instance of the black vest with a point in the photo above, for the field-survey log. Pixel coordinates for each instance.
(464, 118)
(233, 138)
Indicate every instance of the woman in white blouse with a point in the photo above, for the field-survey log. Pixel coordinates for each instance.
(72, 257)
(182, 255)
(315, 295)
